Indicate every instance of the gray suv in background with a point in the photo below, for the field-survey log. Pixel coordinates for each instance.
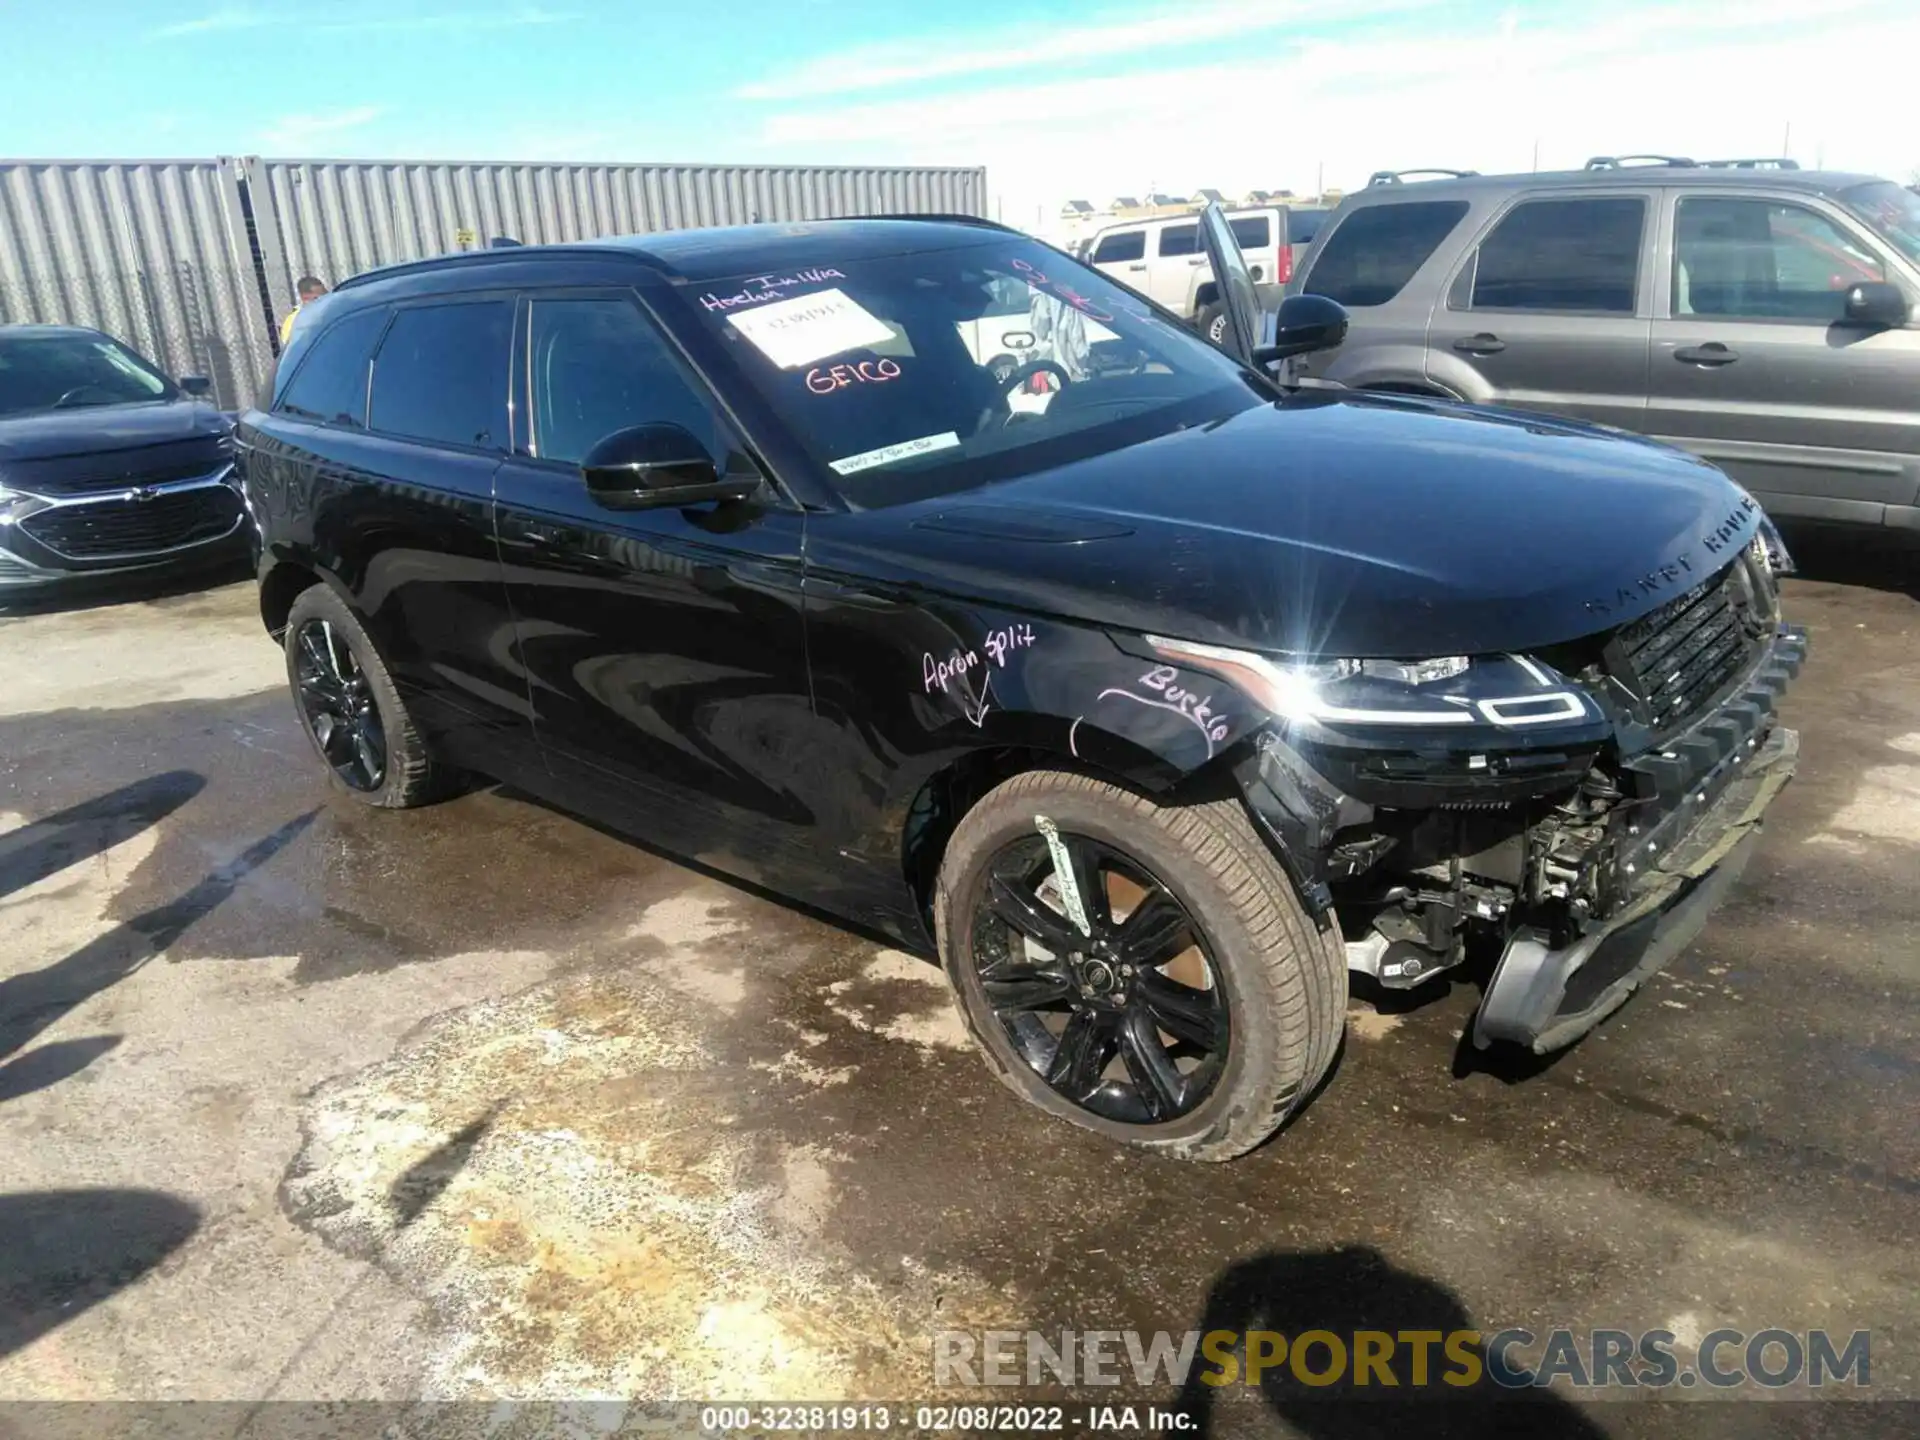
(1759, 315)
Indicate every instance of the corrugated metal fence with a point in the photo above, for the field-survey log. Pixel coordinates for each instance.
(190, 261)
(155, 252)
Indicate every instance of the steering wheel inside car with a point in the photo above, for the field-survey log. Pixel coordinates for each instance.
(1019, 376)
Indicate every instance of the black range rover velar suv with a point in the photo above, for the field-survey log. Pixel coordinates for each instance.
(1151, 696)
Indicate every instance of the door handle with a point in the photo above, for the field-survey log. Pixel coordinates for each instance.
(541, 537)
(1710, 355)
(1139, 265)
(1481, 344)
(1197, 260)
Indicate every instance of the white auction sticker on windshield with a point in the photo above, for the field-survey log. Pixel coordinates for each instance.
(887, 454)
(810, 327)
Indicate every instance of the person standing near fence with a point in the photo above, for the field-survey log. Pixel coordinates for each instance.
(307, 291)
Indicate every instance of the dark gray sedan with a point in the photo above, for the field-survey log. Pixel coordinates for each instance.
(107, 467)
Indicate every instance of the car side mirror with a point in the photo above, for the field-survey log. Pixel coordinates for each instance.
(648, 466)
(198, 386)
(1305, 323)
(1876, 302)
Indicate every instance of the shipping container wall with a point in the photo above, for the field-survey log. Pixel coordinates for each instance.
(154, 252)
(335, 218)
(193, 262)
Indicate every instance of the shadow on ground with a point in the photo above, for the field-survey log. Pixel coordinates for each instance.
(1854, 557)
(64, 1251)
(46, 847)
(99, 592)
(423, 1182)
(33, 1002)
(1343, 1291)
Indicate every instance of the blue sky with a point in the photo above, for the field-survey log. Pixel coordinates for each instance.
(1059, 100)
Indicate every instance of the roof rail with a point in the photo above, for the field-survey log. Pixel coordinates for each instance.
(1761, 162)
(943, 218)
(1622, 162)
(1400, 177)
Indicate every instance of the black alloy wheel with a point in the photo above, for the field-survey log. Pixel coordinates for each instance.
(338, 705)
(1122, 1016)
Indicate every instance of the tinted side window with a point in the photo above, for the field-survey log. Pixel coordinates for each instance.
(1376, 250)
(1120, 245)
(1252, 231)
(1764, 260)
(597, 366)
(1562, 255)
(331, 384)
(1180, 240)
(441, 374)
(1303, 225)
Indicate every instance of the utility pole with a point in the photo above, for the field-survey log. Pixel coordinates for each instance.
(1786, 140)
(1536, 154)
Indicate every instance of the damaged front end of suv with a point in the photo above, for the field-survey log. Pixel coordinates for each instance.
(1575, 812)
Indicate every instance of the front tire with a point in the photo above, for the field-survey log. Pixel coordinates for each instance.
(1212, 324)
(1195, 1009)
(351, 711)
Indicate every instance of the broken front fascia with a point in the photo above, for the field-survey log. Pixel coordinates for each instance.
(1591, 870)
(1408, 736)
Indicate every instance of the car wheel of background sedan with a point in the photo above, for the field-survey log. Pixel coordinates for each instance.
(1194, 1009)
(351, 711)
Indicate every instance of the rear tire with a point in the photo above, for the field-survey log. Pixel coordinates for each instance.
(1276, 980)
(351, 711)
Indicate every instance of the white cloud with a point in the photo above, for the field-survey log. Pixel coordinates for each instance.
(875, 67)
(234, 18)
(296, 132)
(1469, 89)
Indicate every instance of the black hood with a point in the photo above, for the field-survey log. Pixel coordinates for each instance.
(1331, 524)
(92, 429)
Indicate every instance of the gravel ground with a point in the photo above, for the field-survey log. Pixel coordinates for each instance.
(303, 1102)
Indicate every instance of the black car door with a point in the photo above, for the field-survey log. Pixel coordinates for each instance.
(665, 648)
(385, 482)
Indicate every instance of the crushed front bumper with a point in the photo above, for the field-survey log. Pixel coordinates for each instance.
(1546, 998)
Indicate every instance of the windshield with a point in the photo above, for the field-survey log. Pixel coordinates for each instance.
(920, 374)
(1891, 209)
(64, 371)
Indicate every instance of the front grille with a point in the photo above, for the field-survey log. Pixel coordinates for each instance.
(1679, 658)
(112, 529)
(111, 470)
(108, 482)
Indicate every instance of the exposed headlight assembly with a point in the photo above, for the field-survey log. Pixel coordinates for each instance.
(1510, 692)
